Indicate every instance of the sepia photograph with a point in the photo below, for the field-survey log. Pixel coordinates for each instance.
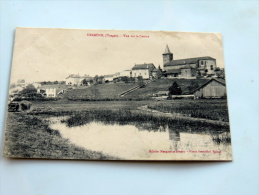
(117, 95)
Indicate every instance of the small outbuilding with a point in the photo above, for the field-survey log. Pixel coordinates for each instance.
(214, 88)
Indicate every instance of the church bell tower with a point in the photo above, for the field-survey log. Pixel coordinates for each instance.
(167, 56)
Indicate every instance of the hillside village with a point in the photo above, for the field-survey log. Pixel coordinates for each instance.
(199, 77)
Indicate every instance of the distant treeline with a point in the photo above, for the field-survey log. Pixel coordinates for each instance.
(52, 82)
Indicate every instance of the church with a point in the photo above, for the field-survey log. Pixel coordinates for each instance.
(188, 67)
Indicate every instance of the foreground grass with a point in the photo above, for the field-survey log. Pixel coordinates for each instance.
(208, 109)
(30, 137)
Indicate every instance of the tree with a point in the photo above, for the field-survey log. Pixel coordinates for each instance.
(100, 79)
(220, 73)
(175, 89)
(95, 79)
(125, 79)
(131, 80)
(84, 82)
(29, 91)
(141, 82)
(198, 74)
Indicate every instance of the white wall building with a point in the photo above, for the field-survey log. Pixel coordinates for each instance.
(51, 92)
(108, 78)
(127, 73)
(144, 70)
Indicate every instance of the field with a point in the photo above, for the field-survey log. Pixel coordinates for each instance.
(113, 90)
(110, 90)
(29, 136)
(209, 109)
(214, 109)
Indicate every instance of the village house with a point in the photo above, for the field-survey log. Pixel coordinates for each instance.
(77, 80)
(126, 73)
(144, 70)
(188, 67)
(116, 75)
(108, 78)
(214, 88)
(51, 91)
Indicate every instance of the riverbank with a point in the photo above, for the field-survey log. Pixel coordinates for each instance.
(149, 119)
(29, 136)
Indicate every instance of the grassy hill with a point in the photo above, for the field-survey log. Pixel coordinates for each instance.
(102, 90)
(112, 90)
(163, 85)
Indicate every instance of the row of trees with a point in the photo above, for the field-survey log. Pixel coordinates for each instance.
(52, 82)
(220, 73)
(28, 91)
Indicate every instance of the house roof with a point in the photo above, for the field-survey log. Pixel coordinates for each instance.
(187, 61)
(144, 66)
(218, 80)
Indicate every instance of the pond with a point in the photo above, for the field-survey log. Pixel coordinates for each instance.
(135, 142)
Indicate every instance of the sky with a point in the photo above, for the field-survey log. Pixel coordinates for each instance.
(50, 54)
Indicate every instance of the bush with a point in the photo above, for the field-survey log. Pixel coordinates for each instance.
(175, 89)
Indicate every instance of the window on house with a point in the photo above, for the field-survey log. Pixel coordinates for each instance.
(205, 62)
(201, 62)
(211, 67)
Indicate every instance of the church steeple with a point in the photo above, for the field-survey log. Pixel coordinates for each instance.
(167, 50)
(167, 56)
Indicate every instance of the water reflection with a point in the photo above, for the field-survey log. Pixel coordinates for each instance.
(144, 142)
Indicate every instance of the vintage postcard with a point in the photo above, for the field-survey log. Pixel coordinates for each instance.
(117, 95)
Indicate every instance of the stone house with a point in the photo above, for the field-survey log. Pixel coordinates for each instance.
(144, 70)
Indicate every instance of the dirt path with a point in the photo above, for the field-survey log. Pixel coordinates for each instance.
(180, 116)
